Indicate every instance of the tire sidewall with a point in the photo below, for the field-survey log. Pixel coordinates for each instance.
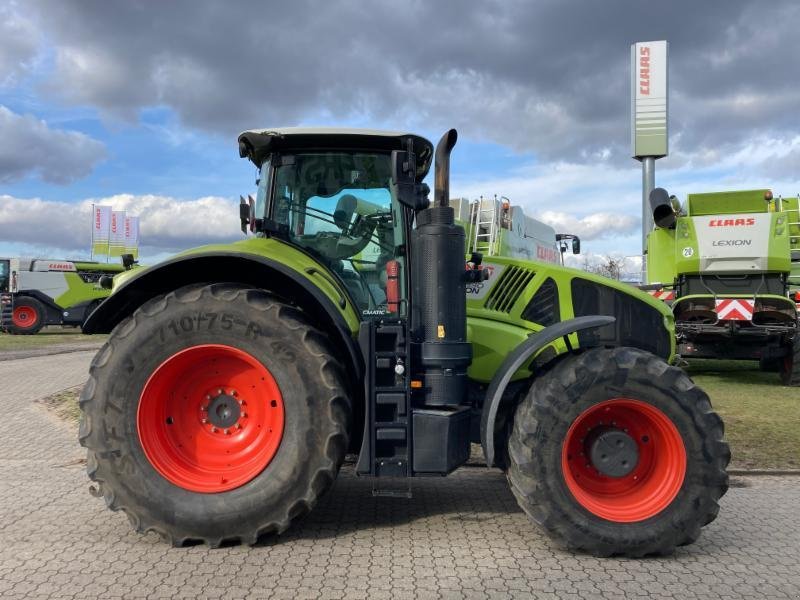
(273, 342)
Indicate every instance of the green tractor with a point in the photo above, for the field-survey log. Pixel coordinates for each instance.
(237, 377)
(38, 292)
(730, 261)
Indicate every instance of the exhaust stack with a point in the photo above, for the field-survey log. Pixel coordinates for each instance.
(440, 306)
(442, 173)
(665, 208)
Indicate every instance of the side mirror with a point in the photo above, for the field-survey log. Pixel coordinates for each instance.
(244, 213)
(576, 245)
(403, 181)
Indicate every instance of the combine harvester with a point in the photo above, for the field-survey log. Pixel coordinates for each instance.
(495, 227)
(39, 292)
(237, 376)
(727, 263)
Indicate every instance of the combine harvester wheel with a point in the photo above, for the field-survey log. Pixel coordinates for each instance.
(27, 317)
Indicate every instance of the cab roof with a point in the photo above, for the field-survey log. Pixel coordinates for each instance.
(258, 144)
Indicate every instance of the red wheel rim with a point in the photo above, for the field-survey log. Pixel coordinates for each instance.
(650, 486)
(24, 317)
(210, 418)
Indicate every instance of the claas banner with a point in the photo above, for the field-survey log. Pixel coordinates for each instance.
(114, 233)
(101, 224)
(116, 238)
(131, 236)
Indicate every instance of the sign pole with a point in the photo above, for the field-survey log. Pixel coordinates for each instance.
(648, 183)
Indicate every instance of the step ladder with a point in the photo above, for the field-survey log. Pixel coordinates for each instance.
(793, 223)
(485, 226)
(386, 450)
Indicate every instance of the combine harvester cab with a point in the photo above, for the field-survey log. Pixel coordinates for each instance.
(726, 260)
(40, 292)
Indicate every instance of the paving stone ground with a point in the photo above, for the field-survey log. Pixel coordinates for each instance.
(458, 537)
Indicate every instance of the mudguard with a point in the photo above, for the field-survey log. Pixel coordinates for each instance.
(514, 361)
(234, 267)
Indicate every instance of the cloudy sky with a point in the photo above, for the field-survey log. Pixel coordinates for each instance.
(138, 104)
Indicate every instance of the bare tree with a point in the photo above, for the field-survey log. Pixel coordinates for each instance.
(607, 267)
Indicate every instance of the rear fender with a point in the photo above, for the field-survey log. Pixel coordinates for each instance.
(240, 268)
(495, 400)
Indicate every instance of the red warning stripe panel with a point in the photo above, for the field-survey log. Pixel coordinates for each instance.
(662, 294)
(734, 309)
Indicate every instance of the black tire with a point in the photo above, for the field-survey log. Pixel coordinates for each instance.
(36, 323)
(790, 365)
(770, 365)
(316, 426)
(89, 310)
(556, 400)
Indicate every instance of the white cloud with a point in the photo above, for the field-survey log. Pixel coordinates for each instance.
(593, 226)
(29, 146)
(167, 224)
(19, 44)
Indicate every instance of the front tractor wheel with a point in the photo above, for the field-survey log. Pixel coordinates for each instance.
(615, 452)
(215, 413)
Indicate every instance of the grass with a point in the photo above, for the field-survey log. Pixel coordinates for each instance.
(64, 404)
(49, 336)
(762, 417)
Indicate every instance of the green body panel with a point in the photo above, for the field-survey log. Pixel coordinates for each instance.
(661, 243)
(278, 251)
(721, 203)
(79, 291)
(494, 333)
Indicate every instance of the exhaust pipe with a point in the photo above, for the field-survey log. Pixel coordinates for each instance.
(665, 208)
(442, 170)
(439, 320)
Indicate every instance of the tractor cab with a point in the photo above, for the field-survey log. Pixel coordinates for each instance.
(329, 192)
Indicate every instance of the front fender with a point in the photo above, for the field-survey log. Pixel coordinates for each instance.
(514, 361)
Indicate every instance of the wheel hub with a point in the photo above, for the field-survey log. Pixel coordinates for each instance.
(613, 452)
(224, 411)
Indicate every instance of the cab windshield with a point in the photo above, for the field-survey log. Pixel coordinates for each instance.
(338, 206)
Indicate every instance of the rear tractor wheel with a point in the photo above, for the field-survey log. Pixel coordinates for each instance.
(614, 452)
(28, 316)
(216, 414)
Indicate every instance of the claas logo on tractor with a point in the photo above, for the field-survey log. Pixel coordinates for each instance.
(349, 324)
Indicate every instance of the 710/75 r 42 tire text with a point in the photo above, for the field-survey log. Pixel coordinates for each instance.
(215, 413)
(615, 452)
